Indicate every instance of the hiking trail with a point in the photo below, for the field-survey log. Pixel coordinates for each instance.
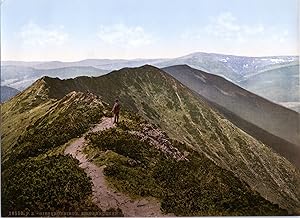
(104, 196)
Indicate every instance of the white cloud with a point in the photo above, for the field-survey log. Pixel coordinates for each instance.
(226, 33)
(226, 26)
(253, 30)
(281, 37)
(122, 35)
(34, 35)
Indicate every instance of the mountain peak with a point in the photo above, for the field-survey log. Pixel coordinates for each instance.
(143, 67)
(181, 66)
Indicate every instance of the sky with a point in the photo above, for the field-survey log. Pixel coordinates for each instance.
(70, 30)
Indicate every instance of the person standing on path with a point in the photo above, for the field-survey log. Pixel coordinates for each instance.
(116, 110)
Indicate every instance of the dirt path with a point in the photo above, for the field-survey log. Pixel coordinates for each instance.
(103, 196)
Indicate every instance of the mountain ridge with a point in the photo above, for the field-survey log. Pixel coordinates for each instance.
(39, 155)
(164, 101)
(136, 91)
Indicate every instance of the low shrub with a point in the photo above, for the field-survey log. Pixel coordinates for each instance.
(53, 184)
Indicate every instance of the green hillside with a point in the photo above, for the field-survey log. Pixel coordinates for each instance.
(36, 177)
(224, 165)
(182, 114)
(33, 123)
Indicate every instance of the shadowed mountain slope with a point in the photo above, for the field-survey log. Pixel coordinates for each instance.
(269, 116)
(279, 145)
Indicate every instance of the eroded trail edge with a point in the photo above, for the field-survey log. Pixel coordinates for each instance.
(103, 196)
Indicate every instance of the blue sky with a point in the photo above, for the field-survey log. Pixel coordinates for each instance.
(79, 29)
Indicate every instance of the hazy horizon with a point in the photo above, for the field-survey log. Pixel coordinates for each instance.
(137, 58)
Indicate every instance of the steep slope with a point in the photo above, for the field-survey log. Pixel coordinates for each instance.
(33, 124)
(273, 118)
(19, 112)
(282, 147)
(34, 133)
(187, 118)
(278, 85)
(7, 93)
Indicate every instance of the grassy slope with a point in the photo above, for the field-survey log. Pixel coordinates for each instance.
(185, 117)
(20, 112)
(193, 187)
(36, 130)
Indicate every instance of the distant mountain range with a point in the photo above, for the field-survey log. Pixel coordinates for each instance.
(243, 71)
(281, 85)
(36, 127)
(229, 66)
(233, 68)
(20, 77)
(7, 93)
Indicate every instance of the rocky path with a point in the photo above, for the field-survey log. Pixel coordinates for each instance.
(103, 196)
